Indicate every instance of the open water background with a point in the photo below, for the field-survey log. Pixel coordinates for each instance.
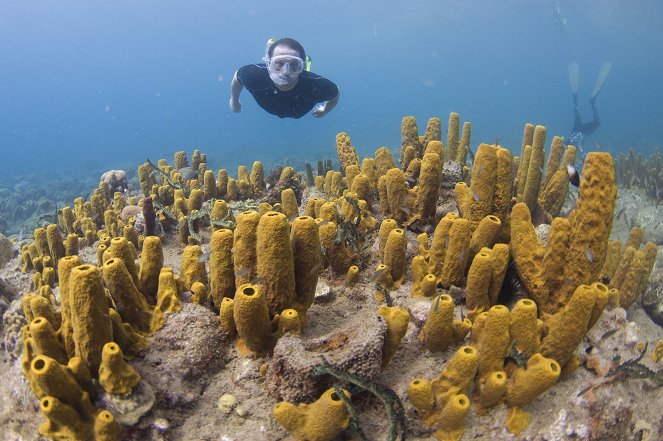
(87, 86)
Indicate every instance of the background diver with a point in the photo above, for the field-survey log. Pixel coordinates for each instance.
(581, 129)
(283, 85)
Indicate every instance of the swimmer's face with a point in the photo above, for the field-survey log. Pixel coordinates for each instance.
(284, 74)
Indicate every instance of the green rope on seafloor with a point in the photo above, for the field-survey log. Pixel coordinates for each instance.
(354, 416)
(392, 403)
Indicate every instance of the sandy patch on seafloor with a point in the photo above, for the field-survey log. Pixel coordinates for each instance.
(610, 411)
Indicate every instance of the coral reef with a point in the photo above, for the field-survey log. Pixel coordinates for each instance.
(363, 279)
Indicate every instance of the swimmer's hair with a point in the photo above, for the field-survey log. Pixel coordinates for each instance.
(289, 42)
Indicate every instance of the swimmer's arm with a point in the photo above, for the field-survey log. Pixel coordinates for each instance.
(327, 106)
(235, 89)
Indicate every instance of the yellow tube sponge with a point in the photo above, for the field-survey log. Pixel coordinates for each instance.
(484, 173)
(289, 203)
(567, 327)
(485, 235)
(437, 334)
(491, 390)
(477, 293)
(307, 261)
(65, 265)
(352, 275)
(395, 255)
(525, 329)
(397, 320)
(124, 335)
(535, 167)
(453, 270)
(440, 243)
(429, 184)
(386, 227)
(525, 385)
(151, 262)
(55, 243)
(48, 377)
(552, 197)
(115, 375)
(245, 240)
(130, 302)
(338, 255)
(494, 341)
(221, 268)
(90, 322)
(503, 184)
(397, 195)
(251, 317)
(192, 269)
(63, 422)
(527, 252)
(591, 221)
(122, 249)
(346, 152)
(105, 427)
(384, 161)
(45, 340)
(322, 420)
(226, 316)
(434, 398)
(275, 263)
(452, 136)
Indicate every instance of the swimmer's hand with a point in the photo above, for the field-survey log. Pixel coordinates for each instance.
(235, 105)
(320, 110)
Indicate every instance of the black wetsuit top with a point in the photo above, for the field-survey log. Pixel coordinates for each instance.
(310, 90)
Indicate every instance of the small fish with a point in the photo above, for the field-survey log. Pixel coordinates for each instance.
(258, 281)
(405, 210)
(589, 255)
(242, 272)
(609, 333)
(437, 303)
(570, 281)
(480, 169)
(605, 280)
(181, 223)
(376, 275)
(598, 145)
(188, 173)
(574, 177)
(204, 257)
(316, 268)
(475, 196)
(461, 256)
(622, 211)
(446, 241)
(324, 222)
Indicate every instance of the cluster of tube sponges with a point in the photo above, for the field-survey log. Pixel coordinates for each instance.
(104, 316)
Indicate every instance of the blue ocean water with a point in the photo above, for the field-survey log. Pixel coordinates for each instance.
(88, 86)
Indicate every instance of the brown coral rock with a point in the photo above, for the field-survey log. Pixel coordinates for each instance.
(356, 349)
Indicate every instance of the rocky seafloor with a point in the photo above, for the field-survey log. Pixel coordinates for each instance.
(205, 390)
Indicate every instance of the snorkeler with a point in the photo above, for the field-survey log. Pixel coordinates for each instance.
(583, 129)
(282, 85)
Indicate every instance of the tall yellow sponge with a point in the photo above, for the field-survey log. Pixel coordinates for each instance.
(221, 269)
(274, 261)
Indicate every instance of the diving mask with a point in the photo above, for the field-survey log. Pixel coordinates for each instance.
(286, 64)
